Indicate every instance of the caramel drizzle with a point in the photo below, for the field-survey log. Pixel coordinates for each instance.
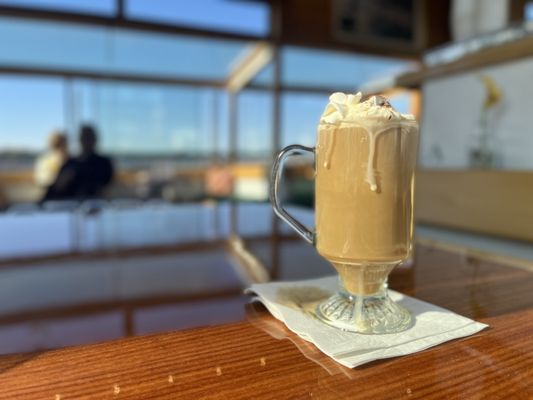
(329, 148)
(370, 177)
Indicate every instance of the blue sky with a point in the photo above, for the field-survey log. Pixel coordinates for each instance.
(152, 118)
(231, 15)
(29, 109)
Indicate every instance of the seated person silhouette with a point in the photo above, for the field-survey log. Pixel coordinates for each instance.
(85, 176)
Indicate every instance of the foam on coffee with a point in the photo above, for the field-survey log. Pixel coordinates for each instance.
(375, 115)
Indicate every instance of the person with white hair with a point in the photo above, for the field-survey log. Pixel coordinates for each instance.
(48, 164)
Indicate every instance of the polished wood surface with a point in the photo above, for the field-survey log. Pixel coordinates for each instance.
(251, 359)
(464, 198)
(241, 361)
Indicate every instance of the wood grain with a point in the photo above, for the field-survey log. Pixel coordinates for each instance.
(251, 359)
(485, 201)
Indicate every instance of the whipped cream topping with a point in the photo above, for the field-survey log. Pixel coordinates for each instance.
(348, 108)
(375, 115)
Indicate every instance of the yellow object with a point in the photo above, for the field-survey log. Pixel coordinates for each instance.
(493, 92)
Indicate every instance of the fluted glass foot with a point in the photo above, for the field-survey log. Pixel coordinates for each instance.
(364, 313)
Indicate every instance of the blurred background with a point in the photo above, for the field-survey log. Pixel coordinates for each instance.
(136, 138)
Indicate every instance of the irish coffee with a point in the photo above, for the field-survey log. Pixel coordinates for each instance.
(365, 161)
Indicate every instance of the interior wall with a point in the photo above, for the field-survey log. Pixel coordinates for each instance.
(450, 123)
(483, 201)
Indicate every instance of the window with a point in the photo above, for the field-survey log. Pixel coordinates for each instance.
(230, 16)
(103, 7)
(50, 44)
(300, 116)
(265, 76)
(31, 109)
(97, 49)
(254, 130)
(178, 56)
(334, 70)
(150, 124)
(528, 11)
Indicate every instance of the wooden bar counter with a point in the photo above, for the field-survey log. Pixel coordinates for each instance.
(259, 358)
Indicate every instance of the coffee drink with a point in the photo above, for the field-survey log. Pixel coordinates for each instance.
(365, 160)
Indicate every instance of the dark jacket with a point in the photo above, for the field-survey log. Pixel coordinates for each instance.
(81, 178)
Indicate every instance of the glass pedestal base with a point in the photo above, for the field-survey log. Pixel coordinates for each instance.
(373, 314)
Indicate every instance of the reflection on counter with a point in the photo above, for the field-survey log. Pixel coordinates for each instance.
(136, 274)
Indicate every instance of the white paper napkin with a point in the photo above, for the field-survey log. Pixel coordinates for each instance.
(432, 325)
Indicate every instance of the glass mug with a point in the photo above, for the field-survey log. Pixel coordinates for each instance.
(364, 187)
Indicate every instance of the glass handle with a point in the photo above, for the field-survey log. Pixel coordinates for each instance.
(277, 170)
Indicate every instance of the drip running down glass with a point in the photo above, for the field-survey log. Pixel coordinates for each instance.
(364, 161)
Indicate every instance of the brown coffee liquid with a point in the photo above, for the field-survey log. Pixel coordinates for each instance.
(364, 201)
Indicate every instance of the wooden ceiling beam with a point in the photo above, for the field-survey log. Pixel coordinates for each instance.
(249, 65)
